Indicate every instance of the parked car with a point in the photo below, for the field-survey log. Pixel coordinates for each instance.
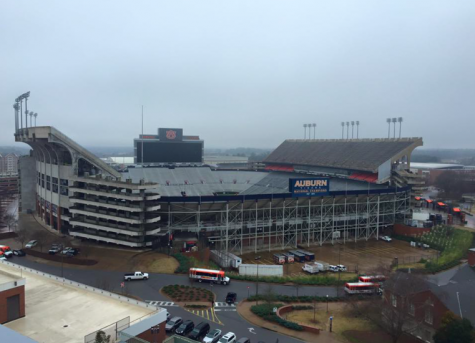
(244, 340)
(334, 269)
(341, 268)
(230, 337)
(200, 331)
(31, 244)
(66, 250)
(386, 239)
(19, 252)
(173, 323)
(54, 249)
(136, 276)
(2, 257)
(185, 328)
(212, 336)
(231, 298)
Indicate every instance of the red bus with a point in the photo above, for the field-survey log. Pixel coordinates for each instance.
(209, 275)
(373, 278)
(362, 288)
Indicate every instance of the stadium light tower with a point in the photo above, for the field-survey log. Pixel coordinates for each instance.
(347, 129)
(35, 115)
(309, 131)
(305, 131)
(389, 126)
(25, 96)
(314, 130)
(352, 129)
(342, 130)
(400, 124)
(357, 128)
(394, 121)
(31, 118)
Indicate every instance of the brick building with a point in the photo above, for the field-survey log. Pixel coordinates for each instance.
(410, 301)
(12, 297)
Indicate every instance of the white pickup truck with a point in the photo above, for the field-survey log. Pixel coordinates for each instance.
(136, 276)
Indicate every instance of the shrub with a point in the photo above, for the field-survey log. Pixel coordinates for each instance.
(265, 311)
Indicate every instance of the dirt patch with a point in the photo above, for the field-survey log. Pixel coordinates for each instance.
(188, 294)
(343, 318)
(154, 262)
(61, 258)
(6, 235)
(362, 256)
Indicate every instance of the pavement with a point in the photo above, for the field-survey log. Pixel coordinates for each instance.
(223, 317)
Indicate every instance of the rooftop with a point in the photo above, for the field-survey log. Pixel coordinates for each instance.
(421, 165)
(60, 313)
(354, 154)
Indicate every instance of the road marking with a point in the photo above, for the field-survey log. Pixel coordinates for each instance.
(251, 330)
(208, 314)
(161, 303)
(223, 304)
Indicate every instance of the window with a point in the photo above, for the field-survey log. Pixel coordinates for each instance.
(429, 317)
(393, 300)
(55, 188)
(55, 180)
(412, 309)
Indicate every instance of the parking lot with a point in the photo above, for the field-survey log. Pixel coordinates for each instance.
(362, 256)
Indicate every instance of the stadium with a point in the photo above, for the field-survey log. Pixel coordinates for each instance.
(369, 187)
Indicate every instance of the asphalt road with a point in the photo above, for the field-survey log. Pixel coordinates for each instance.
(225, 317)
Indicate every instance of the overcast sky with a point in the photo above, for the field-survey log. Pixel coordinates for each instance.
(240, 73)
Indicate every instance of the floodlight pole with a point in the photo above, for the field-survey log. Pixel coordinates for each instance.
(342, 130)
(314, 130)
(304, 131)
(357, 129)
(400, 125)
(394, 121)
(352, 129)
(309, 131)
(347, 130)
(389, 127)
(142, 135)
(26, 112)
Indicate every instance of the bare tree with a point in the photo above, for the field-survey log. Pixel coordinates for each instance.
(44, 238)
(269, 295)
(22, 235)
(10, 220)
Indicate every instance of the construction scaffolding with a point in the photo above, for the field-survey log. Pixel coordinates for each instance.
(283, 222)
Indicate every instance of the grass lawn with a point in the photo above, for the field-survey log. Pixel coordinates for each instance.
(343, 320)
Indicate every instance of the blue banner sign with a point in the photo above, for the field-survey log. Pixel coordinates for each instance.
(309, 187)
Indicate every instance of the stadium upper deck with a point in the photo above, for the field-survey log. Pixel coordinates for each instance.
(202, 181)
(370, 160)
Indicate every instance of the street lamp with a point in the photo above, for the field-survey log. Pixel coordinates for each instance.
(327, 303)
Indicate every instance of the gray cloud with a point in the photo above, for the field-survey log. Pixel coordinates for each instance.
(245, 73)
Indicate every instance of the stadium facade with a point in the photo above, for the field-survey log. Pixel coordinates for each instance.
(237, 211)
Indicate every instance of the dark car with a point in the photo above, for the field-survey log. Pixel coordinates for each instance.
(173, 323)
(200, 331)
(244, 340)
(19, 252)
(231, 298)
(185, 328)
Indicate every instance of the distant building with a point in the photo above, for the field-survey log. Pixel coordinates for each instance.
(8, 163)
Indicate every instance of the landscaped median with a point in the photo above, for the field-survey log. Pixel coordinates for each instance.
(182, 293)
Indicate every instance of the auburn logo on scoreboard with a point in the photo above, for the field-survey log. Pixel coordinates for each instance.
(171, 134)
